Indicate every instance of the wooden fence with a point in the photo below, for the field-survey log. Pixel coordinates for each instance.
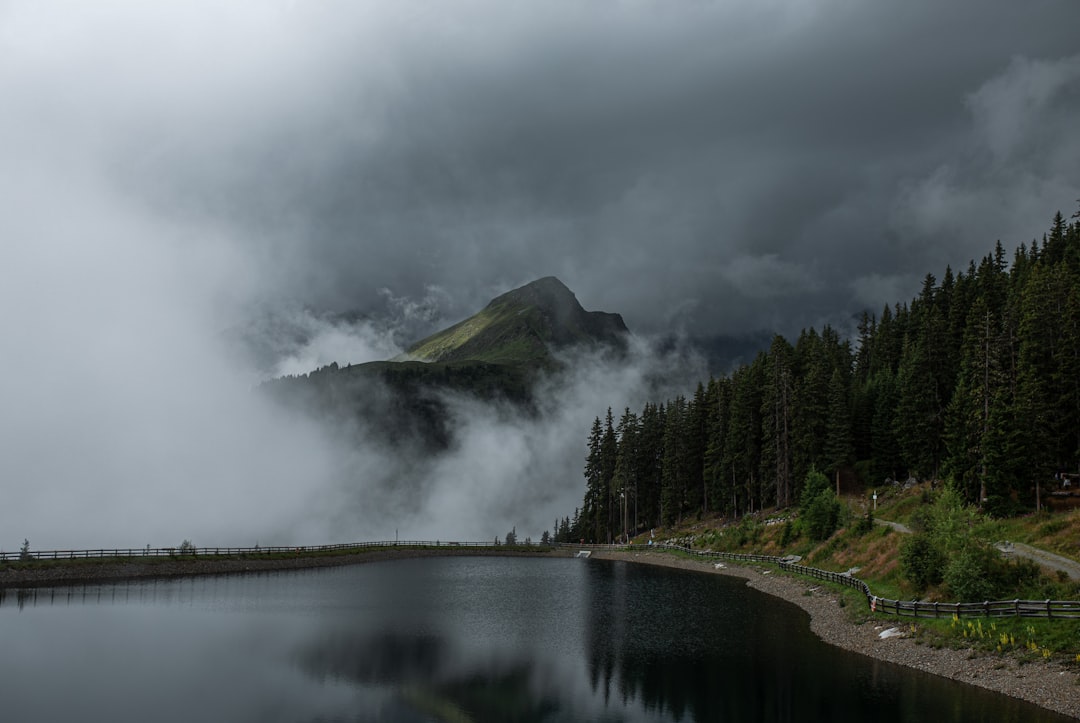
(901, 608)
(256, 551)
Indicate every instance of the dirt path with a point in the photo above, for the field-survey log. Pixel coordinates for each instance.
(1042, 557)
(895, 525)
(1016, 549)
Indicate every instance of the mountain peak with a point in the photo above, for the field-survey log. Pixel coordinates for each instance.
(548, 294)
(523, 326)
(537, 292)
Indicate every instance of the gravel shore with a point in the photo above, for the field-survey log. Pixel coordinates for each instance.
(1048, 684)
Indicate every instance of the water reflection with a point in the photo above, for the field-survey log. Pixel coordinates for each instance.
(430, 676)
(707, 648)
(690, 645)
(462, 639)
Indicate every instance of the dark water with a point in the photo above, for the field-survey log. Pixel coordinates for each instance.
(450, 639)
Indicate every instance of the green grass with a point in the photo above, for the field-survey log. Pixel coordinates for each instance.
(499, 334)
(1056, 532)
(1026, 638)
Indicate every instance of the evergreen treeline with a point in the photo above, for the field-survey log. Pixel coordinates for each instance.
(976, 380)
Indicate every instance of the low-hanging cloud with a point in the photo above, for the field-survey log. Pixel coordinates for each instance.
(378, 170)
(509, 469)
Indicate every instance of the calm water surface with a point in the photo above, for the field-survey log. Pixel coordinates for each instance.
(450, 639)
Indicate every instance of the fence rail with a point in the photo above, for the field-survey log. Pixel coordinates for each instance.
(258, 550)
(900, 608)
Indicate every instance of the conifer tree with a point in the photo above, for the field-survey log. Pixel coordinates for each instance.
(676, 463)
(717, 479)
(839, 448)
(594, 484)
(609, 452)
(653, 418)
(918, 423)
(626, 467)
(742, 448)
(697, 432)
(811, 409)
(777, 406)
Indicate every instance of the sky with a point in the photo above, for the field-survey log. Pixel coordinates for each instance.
(172, 171)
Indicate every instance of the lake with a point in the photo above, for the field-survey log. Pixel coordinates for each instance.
(450, 639)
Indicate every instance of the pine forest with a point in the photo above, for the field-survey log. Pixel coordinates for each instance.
(974, 383)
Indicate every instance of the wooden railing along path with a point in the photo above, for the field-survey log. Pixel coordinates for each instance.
(909, 608)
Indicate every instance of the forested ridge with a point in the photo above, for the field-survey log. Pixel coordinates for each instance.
(975, 381)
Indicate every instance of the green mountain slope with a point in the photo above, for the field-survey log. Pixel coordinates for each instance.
(523, 327)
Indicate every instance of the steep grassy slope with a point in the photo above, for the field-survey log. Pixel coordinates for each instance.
(523, 327)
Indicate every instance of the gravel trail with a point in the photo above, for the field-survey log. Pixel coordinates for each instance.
(1042, 557)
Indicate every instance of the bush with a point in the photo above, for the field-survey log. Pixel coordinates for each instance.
(747, 532)
(787, 534)
(921, 561)
(822, 516)
(1052, 528)
(865, 524)
(921, 519)
(819, 510)
(969, 575)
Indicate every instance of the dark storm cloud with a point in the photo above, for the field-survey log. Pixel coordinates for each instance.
(748, 164)
(170, 170)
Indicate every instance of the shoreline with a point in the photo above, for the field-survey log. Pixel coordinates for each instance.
(1049, 685)
(64, 573)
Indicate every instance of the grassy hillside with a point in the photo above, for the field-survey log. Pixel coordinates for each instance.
(503, 334)
(522, 327)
